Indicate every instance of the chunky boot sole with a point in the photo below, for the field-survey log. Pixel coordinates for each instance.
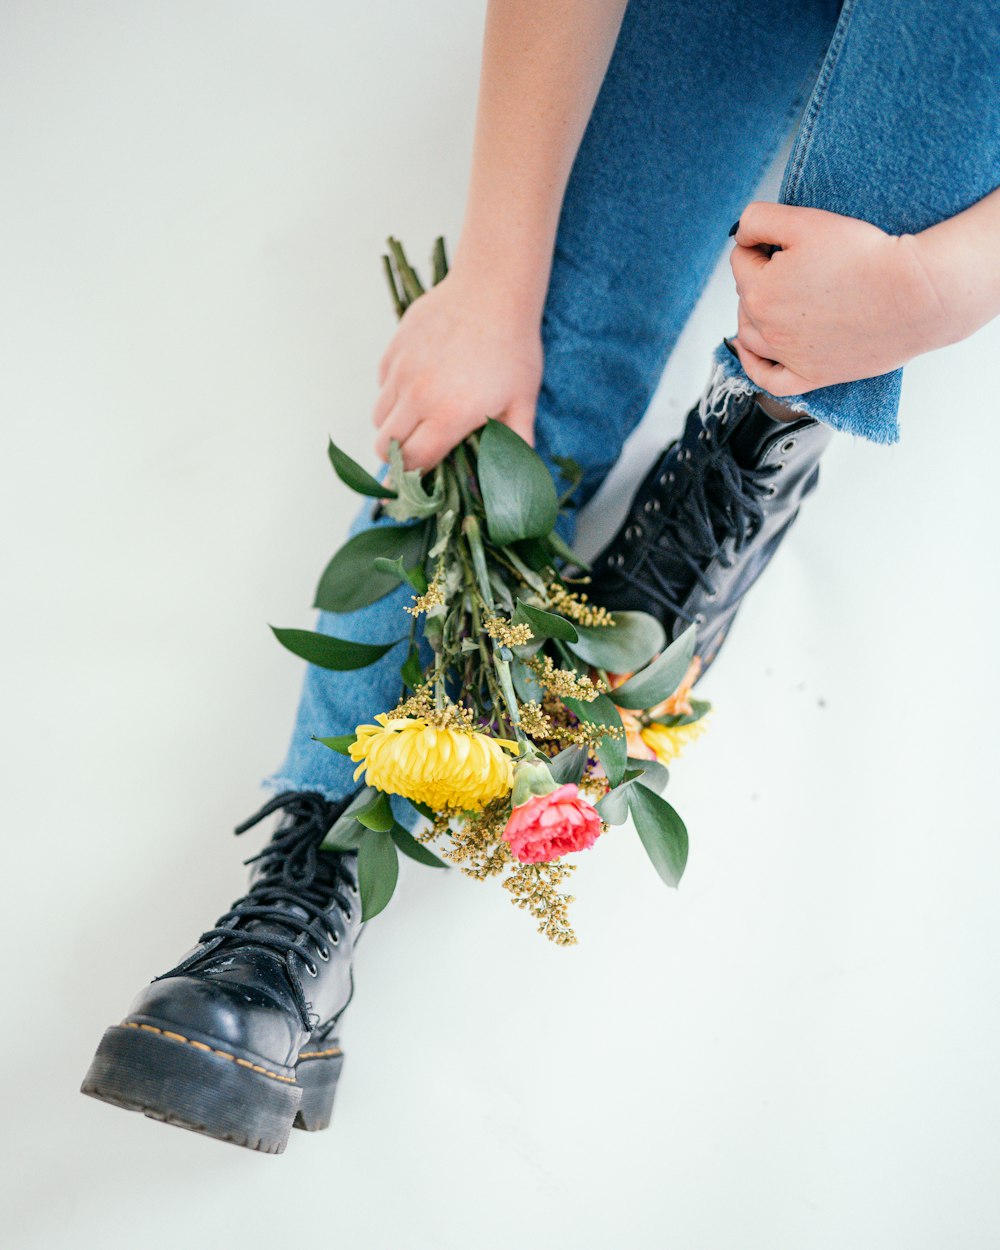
(208, 1089)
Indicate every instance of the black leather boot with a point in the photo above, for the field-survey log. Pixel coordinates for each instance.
(709, 516)
(238, 1040)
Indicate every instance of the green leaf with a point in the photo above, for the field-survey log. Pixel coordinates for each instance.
(661, 678)
(427, 812)
(570, 472)
(378, 872)
(414, 576)
(409, 845)
(568, 765)
(327, 652)
(412, 500)
(353, 475)
(536, 554)
(342, 744)
(346, 835)
(655, 774)
(632, 641)
(517, 489)
(376, 814)
(614, 806)
(611, 751)
(526, 685)
(544, 624)
(412, 671)
(349, 580)
(662, 832)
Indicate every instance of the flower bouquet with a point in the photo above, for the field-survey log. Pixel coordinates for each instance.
(530, 719)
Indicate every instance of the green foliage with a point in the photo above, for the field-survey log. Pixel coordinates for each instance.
(518, 492)
(544, 624)
(378, 872)
(611, 751)
(408, 844)
(661, 831)
(341, 744)
(327, 652)
(353, 475)
(350, 581)
(632, 641)
(660, 679)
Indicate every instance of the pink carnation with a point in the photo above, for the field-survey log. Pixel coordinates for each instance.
(551, 825)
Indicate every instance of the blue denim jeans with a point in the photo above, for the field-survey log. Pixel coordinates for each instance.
(901, 127)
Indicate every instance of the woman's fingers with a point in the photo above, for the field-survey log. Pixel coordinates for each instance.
(774, 224)
(751, 337)
(769, 375)
(399, 425)
(387, 397)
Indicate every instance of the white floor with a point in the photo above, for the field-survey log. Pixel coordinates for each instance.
(795, 1051)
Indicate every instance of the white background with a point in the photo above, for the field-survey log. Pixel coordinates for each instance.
(795, 1050)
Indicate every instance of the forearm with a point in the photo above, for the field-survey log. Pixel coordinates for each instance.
(543, 64)
(960, 260)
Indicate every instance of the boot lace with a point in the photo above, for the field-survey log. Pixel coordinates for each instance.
(714, 507)
(293, 873)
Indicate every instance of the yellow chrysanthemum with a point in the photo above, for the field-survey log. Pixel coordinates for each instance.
(439, 765)
(668, 741)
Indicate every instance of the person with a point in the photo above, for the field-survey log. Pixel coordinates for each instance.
(613, 147)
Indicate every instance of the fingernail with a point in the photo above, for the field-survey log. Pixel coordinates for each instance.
(733, 228)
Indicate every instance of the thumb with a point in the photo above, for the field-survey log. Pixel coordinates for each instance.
(773, 224)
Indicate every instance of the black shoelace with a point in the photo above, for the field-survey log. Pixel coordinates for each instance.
(706, 500)
(294, 874)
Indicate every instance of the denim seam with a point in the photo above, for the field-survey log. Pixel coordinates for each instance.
(803, 142)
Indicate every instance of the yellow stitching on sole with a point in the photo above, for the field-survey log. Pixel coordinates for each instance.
(223, 1054)
(320, 1054)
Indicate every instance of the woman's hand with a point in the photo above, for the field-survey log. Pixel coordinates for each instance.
(461, 354)
(841, 300)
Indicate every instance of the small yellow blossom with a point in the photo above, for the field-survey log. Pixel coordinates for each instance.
(668, 741)
(441, 766)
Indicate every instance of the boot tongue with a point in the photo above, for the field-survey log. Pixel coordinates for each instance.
(752, 434)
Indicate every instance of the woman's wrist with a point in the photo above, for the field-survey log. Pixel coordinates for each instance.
(513, 274)
(956, 275)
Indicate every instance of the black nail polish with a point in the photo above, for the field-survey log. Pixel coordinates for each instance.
(733, 228)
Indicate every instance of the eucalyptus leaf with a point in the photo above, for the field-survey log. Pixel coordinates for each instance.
(412, 498)
(699, 708)
(350, 581)
(378, 872)
(353, 475)
(325, 651)
(544, 624)
(568, 765)
(526, 685)
(613, 807)
(611, 751)
(409, 845)
(655, 775)
(518, 492)
(341, 744)
(662, 832)
(660, 679)
(415, 576)
(376, 814)
(632, 641)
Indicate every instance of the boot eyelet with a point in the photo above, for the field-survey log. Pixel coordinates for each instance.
(713, 596)
(699, 618)
(772, 491)
(333, 938)
(323, 953)
(311, 968)
(354, 890)
(650, 506)
(348, 916)
(633, 531)
(617, 561)
(666, 479)
(780, 465)
(787, 446)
